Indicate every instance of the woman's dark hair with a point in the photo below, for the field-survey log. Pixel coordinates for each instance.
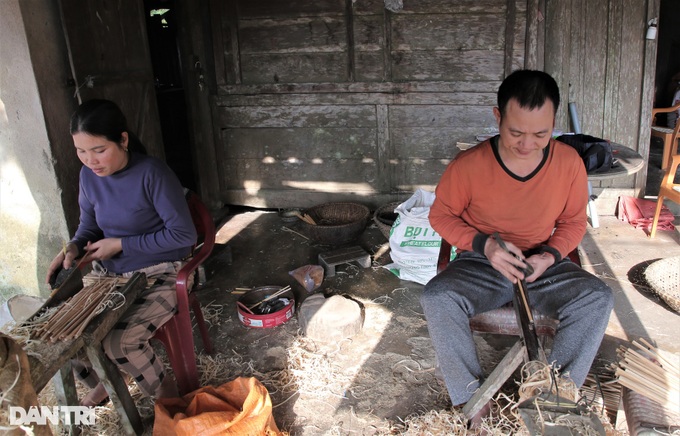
(104, 118)
(531, 88)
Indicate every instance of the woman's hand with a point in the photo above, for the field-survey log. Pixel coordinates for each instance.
(64, 260)
(506, 263)
(103, 249)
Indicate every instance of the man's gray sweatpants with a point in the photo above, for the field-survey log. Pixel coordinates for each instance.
(469, 285)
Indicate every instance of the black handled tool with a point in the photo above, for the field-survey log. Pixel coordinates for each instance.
(525, 318)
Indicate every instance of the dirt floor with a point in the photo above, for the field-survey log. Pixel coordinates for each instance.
(375, 381)
(382, 381)
(372, 382)
(384, 372)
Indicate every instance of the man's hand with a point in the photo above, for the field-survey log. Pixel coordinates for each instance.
(503, 262)
(540, 263)
(103, 249)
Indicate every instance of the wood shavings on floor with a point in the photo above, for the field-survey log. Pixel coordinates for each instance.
(338, 388)
(313, 370)
(107, 419)
(213, 314)
(452, 421)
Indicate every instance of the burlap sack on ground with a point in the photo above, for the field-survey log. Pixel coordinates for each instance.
(239, 407)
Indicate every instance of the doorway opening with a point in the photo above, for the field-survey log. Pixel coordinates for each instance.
(667, 83)
(161, 26)
(667, 63)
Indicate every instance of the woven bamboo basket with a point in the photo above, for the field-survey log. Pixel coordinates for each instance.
(663, 277)
(336, 223)
(385, 216)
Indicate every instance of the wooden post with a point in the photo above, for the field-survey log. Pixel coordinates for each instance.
(65, 391)
(498, 376)
(117, 389)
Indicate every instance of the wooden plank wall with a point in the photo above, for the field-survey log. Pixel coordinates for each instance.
(343, 100)
(108, 43)
(597, 53)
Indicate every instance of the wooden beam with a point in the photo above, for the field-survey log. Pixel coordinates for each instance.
(192, 38)
(349, 17)
(387, 52)
(359, 87)
(383, 150)
(531, 58)
(510, 19)
(613, 71)
(496, 379)
(648, 75)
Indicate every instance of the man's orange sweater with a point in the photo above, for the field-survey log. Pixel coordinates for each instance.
(477, 194)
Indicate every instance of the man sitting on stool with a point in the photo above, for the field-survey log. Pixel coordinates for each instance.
(532, 190)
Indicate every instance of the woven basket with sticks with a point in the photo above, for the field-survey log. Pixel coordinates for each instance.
(336, 223)
(385, 216)
(663, 277)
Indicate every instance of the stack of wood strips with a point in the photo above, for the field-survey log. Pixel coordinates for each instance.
(93, 278)
(603, 389)
(650, 372)
(70, 319)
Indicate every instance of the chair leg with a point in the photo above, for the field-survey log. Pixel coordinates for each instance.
(665, 158)
(198, 313)
(657, 213)
(673, 151)
(180, 349)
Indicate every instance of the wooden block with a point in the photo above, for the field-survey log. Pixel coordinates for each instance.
(344, 255)
(330, 319)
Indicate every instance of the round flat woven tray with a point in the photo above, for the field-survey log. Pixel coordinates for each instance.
(664, 278)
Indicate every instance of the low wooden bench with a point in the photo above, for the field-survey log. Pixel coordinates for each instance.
(52, 361)
(344, 255)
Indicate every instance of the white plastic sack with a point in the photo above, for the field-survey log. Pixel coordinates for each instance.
(414, 245)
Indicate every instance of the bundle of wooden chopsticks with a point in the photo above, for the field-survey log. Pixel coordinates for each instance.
(270, 297)
(72, 317)
(306, 218)
(648, 371)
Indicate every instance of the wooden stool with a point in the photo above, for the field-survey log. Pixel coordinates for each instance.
(56, 358)
(344, 255)
(501, 321)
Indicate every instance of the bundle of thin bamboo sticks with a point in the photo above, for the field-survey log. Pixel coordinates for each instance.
(648, 371)
(70, 319)
(306, 218)
(92, 279)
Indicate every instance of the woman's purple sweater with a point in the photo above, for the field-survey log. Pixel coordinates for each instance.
(144, 205)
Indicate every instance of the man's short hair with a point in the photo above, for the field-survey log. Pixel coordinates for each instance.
(531, 88)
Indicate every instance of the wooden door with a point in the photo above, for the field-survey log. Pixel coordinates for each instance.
(109, 55)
